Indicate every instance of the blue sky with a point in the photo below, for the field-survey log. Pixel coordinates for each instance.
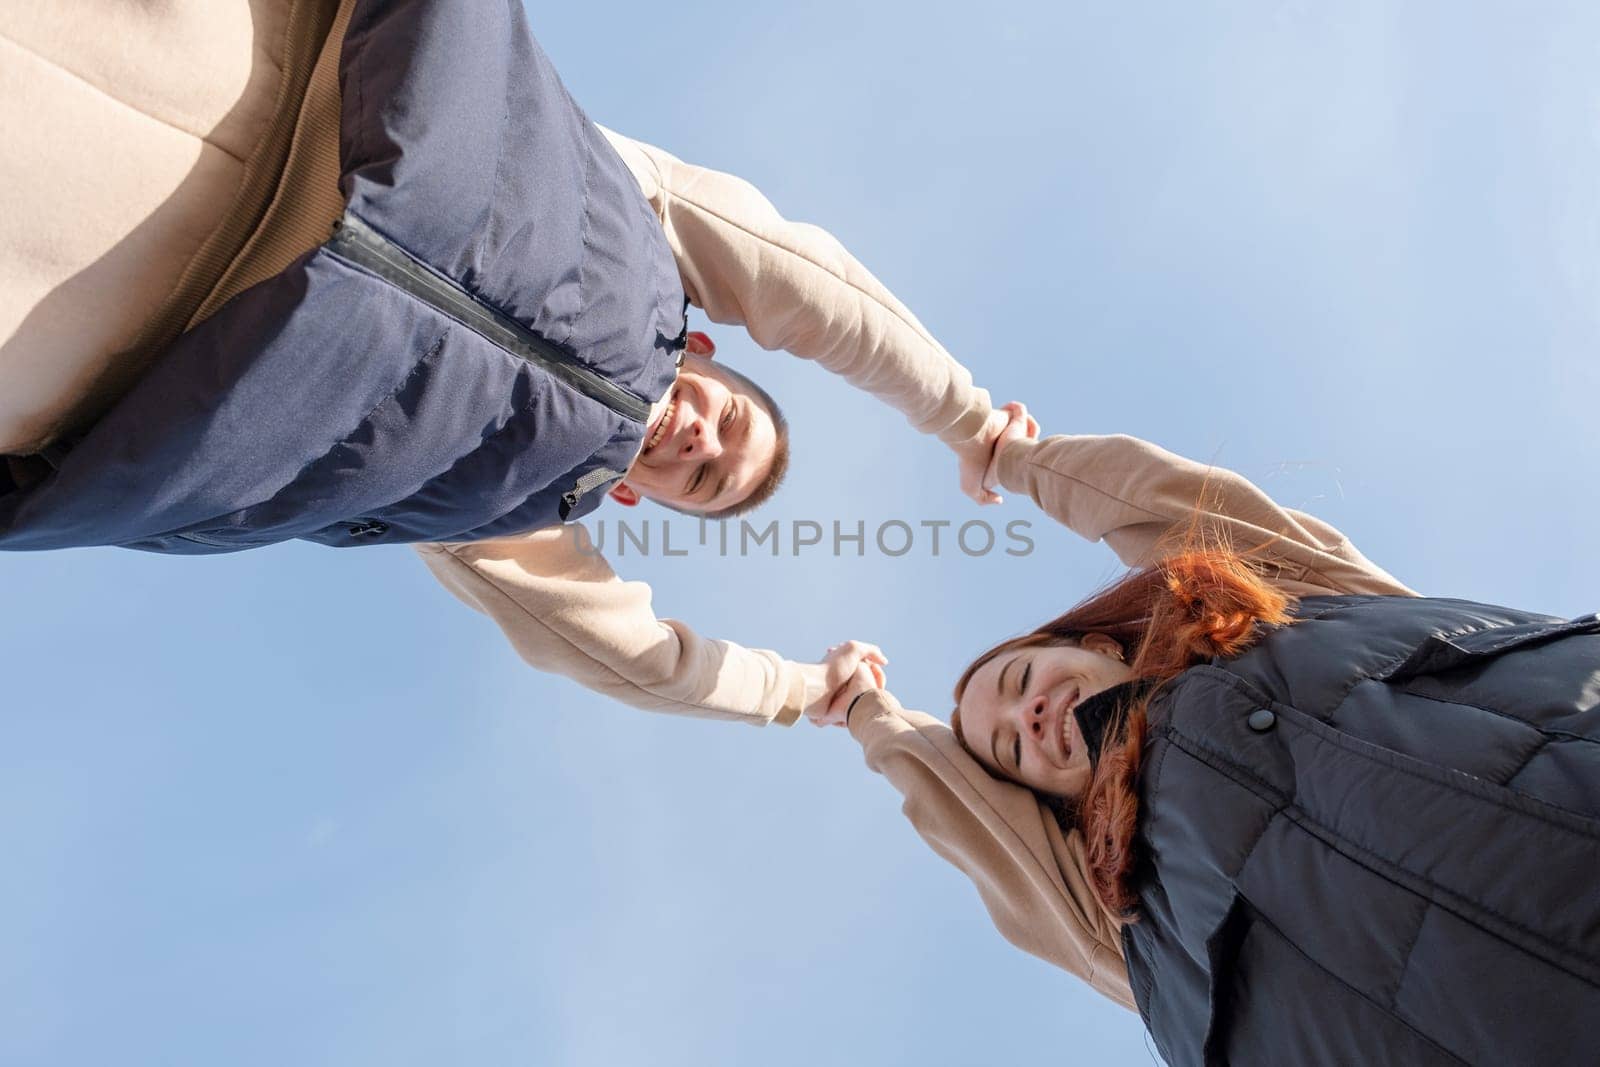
(299, 806)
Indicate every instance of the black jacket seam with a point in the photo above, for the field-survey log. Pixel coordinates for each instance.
(1437, 895)
(1259, 916)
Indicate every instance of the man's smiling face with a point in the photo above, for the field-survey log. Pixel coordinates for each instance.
(708, 447)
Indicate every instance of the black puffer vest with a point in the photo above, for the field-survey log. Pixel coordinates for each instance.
(1375, 839)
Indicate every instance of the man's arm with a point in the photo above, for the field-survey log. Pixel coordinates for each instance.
(565, 611)
(794, 287)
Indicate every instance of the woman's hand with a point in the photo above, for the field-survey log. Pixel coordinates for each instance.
(868, 676)
(845, 671)
(979, 458)
(1019, 425)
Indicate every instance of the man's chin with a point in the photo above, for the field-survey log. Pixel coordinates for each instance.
(672, 505)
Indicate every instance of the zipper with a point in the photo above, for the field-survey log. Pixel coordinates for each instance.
(359, 243)
(366, 528)
(355, 528)
(587, 484)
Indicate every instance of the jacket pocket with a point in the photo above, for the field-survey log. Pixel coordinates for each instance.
(1222, 953)
(1443, 652)
(1273, 1004)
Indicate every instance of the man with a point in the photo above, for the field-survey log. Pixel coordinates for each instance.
(793, 287)
(489, 338)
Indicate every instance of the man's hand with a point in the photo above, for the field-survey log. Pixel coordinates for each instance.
(868, 676)
(1019, 424)
(845, 671)
(978, 459)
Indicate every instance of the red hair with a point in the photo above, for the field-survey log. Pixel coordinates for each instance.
(1203, 601)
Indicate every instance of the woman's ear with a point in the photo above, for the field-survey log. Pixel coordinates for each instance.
(698, 344)
(623, 494)
(1105, 646)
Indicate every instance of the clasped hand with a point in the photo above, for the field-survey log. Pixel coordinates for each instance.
(979, 459)
(845, 672)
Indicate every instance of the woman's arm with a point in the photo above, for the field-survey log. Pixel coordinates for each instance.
(1133, 495)
(999, 835)
(794, 287)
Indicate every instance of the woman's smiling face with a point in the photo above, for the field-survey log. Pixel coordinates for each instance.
(1016, 711)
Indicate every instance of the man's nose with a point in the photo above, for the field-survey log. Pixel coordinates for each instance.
(702, 442)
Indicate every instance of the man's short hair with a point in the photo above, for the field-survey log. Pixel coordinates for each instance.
(769, 484)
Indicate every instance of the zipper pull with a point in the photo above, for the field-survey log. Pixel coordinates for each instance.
(586, 484)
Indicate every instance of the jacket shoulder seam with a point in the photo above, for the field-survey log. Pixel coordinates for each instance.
(103, 92)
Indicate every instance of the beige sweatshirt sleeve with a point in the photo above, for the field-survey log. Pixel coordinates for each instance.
(794, 287)
(1131, 494)
(565, 610)
(1027, 872)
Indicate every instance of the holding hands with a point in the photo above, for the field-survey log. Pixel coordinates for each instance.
(979, 459)
(847, 671)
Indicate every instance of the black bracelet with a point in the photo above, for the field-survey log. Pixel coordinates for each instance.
(852, 706)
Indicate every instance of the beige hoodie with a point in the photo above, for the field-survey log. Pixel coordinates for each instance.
(140, 144)
(1030, 875)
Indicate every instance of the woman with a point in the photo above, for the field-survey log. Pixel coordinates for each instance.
(1263, 793)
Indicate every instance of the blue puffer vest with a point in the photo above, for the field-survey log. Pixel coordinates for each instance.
(1374, 838)
(473, 353)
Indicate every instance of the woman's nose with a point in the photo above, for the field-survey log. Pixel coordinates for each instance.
(1035, 714)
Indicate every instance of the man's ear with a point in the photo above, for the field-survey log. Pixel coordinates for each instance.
(623, 494)
(698, 344)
